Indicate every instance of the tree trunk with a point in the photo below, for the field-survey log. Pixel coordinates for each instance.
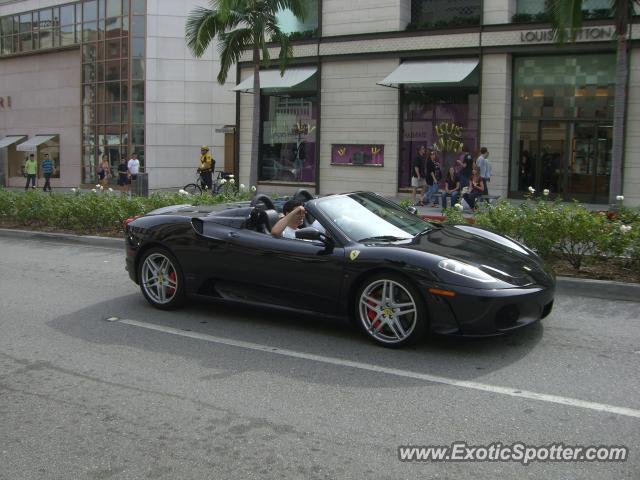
(255, 140)
(619, 113)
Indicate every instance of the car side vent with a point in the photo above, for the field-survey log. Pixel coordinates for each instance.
(196, 223)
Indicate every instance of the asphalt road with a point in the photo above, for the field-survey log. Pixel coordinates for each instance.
(221, 392)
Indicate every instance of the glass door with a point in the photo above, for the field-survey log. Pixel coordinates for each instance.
(552, 158)
(590, 164)
(602, 163)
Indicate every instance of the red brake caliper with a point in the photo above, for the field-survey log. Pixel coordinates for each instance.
(371, 314)
(171, 290)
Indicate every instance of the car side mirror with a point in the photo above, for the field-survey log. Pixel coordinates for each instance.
(412, 210)
(310, 233)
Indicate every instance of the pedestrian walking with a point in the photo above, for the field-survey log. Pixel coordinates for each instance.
(31, 170)
(104, 172)
(484, 168)
(47, 170)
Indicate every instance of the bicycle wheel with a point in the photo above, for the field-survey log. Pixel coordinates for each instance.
(193, 189)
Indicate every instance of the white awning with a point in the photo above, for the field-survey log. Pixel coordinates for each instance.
(272, 79)
(31, 145)
(10, 140)
(430, 71)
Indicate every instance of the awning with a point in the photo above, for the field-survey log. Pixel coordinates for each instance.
(272, 79)
(430, 71)
(32, 144)
(10, 140)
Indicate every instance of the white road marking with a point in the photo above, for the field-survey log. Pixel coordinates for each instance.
(512, 392)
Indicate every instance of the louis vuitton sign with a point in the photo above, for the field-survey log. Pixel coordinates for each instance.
(584, 34)
(5, 103)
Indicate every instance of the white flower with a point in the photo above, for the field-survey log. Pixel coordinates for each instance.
(98, 186)
(110, 189)
(242, 187)
(183, 192)
(253, 188)
(230, 175)
(74, 190)
(625, 228)
(459, 206)
(93, 190)
(545, 192)
(620, 198)
(101, 188)
(232, 181)
(223, 181)
(532, 190)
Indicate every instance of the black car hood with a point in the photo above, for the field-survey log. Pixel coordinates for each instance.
(496, 255)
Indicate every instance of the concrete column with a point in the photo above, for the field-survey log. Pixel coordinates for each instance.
(495, 118)
(631, 168)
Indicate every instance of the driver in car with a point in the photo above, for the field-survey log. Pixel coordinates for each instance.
(293, 217)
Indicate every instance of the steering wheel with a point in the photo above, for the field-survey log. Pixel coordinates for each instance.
(265, 200)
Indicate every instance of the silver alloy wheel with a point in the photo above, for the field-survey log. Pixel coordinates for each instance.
(388, 311)
(159, 278)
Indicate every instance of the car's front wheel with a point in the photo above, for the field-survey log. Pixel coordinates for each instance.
(390, 310)
(161, 279)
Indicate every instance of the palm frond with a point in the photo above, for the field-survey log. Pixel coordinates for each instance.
(232, 45)
(203, 24)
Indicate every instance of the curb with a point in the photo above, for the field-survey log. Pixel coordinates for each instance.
(605, 289)
(64, 238)
(581, 287)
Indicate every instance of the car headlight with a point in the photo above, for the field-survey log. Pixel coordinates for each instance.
(465, 270)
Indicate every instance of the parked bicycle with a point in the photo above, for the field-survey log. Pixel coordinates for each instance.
(198, 186)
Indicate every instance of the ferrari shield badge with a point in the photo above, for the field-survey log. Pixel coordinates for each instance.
(354, 254)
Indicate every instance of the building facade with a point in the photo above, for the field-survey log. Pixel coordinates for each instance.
(96, 80)
(367, 86)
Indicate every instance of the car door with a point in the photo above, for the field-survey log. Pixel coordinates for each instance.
(286, 272)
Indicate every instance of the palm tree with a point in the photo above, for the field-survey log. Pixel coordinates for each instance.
(239, 26)
(566, 20)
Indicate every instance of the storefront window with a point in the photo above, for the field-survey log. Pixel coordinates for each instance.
(440, 118)
(562, 125)
(109, 131)
(536, 10)
(426, 14)
(289, 134)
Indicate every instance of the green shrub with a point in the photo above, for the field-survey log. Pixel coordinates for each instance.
(453, 216)
(93, 211)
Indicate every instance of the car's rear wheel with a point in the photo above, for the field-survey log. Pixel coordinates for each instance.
(161, 279)
(390, 311)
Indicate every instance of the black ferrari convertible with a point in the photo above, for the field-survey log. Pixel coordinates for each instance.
(366, 258)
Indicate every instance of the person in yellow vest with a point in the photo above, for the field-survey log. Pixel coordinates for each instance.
(207, 164)
(31, 170)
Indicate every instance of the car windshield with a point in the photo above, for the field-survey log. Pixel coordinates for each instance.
(369, 217)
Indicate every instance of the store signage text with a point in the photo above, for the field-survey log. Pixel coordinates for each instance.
(595, 33)
(449, 137)
(5, 102)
